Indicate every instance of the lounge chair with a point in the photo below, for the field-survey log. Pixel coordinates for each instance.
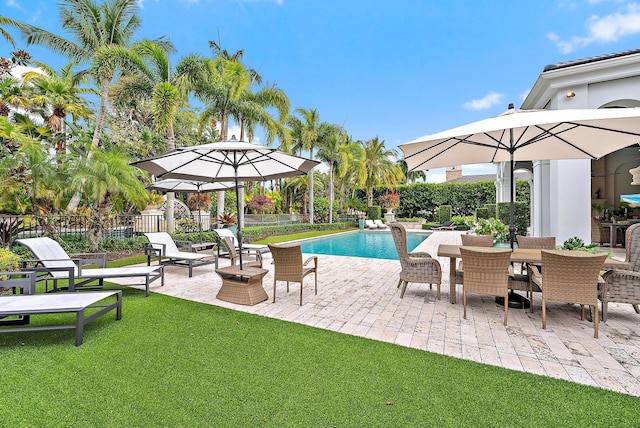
(52, 259)
(447, 225)
(17, 309)
(369, 224)
(162, 245)
(380, 224)
(246, 247)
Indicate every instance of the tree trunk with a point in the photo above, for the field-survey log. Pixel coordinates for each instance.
(311, 190)
(104, 94)
(331, 193)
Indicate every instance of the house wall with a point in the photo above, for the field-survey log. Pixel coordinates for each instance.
(563, 190)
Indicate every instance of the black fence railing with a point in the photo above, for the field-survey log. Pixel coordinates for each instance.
(125, 226)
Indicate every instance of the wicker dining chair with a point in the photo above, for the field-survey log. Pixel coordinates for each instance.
(536, 242)
(233, 254)
(486, 271)
(416, 267)
(571, 277)
(472, 241)
(477, 240)
(623, 285)
(289, 267)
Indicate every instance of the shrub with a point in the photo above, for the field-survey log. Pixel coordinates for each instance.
(261, 204)
(9, 261)
(482, 213)
(494, 227)
(443, 213)
(576, 243)
(373, 212)
(520, 215)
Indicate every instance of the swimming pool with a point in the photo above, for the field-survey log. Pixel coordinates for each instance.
(375, 245)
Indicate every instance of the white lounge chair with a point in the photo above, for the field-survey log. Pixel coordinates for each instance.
(52, 259)
(380, 224)
(369, 224)
(246, 248)
(162, 245)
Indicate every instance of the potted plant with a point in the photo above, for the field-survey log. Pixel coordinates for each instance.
(390, 200)
(227, 220)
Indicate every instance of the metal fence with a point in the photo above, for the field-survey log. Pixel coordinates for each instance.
(125, 226)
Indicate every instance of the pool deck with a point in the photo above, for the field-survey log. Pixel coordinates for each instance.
(358, 296)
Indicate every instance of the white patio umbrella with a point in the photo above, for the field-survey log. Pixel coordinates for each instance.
(171, 185)
(227, 161)
(527, 135)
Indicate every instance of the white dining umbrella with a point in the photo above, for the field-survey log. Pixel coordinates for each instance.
(192, 186)
(527, 135)
(227, 161)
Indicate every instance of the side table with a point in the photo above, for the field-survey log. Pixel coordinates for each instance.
(243, 287)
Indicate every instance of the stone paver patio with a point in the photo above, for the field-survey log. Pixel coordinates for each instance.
(358, 296)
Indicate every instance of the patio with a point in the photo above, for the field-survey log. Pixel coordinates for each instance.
(359, 297)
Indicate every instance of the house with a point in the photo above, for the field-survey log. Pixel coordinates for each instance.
(564, 190)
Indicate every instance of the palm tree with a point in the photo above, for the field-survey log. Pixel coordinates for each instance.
(11, 95)
(378, 167)
(156, 86)
(307, 132)
(8, 21)
(335, 153)
(101, 36)
(105, 177)
(253, 109)
(410, 176)
(57, 95)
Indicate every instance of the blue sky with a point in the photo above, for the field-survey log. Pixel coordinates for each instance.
(393, 69)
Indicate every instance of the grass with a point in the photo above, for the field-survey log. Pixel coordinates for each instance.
(297, 236)
(176, 363)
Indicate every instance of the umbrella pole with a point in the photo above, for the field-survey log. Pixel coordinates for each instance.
(199, 215)
(512, 227)
(239, 229)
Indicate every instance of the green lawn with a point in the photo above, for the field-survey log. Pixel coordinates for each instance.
(177, 363)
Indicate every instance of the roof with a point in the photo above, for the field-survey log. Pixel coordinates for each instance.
(560, 65)
(485, 177)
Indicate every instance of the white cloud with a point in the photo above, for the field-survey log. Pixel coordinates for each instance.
(14, 3)
(489, 100)
(436, 177)
(607, 29)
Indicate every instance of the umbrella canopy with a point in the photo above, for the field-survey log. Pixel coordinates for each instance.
(227, 161)
(171, 185)
(527, 135)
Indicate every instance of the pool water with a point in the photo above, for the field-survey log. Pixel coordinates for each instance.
(375, 245)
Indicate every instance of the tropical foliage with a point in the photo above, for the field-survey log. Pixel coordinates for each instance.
(67, 135)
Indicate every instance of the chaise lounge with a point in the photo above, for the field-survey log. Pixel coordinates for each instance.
(162, 245)
(56, 263)
(447, 225)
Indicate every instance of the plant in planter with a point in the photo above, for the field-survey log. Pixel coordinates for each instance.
(494, 227)
(200, 201)
(390, 200)
(227, 220)
(155, 201)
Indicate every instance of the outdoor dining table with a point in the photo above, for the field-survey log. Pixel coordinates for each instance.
(613, 232)
(518, 255)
